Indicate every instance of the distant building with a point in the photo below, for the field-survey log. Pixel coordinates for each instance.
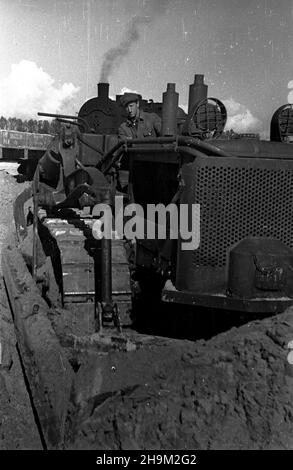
(16, 145)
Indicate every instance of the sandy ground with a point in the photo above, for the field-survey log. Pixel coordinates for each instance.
(18, 429)
(9, 167)
(233, 392)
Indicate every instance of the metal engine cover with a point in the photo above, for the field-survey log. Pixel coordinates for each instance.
(239, 198)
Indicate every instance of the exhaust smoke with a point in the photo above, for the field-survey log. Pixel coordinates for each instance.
(113, 58)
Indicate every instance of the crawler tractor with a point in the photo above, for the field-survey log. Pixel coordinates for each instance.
(74, 293)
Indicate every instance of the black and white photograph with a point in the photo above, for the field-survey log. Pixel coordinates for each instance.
(146, 229)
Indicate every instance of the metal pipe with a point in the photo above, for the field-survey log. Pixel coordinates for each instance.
(154, 140)
(66, 116)
(121, 147)
(185, 140)
(182, 140)
(197, 92)
(103, 90)
(66, 121)
(109, 310)
(169, 111)
(190, 151)
(35, 221)
(125, 146)
(151, 150)
(106, 271)
(60, 118)
(203, 145)
(109, 154)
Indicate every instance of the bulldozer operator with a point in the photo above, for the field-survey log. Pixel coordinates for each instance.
(139, 124)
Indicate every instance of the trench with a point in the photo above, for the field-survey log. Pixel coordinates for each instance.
(184, 405)
(37, 423)
(18, 423)
(139, 396)
(35, 414)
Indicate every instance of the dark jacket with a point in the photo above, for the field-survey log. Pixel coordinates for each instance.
(147, 125)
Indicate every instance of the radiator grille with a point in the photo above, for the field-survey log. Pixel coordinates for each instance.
(237, 202)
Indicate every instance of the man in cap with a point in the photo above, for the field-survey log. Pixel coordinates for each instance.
(139, 124)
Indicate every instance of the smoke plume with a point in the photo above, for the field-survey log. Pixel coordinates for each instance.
(113, 58)
(28, 89)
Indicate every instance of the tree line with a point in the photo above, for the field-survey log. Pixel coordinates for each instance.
(34, 126)
(231, 135)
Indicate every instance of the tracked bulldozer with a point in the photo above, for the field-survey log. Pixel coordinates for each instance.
(74, 292)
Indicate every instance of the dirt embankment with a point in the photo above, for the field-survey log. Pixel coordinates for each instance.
(232, 392)
(17, 425)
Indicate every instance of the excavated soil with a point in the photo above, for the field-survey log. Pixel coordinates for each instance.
(18, 429)
(234, 391)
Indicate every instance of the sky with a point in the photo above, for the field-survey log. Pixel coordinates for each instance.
(53, 53)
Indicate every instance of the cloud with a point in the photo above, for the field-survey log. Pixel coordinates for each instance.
(29, 89)
(122, 91)
(184, 107)
(290, 94)
(240, 118)
(128, 90)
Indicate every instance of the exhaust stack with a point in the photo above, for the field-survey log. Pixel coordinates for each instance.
(197, 92)
(103, 90)
(169, 112)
